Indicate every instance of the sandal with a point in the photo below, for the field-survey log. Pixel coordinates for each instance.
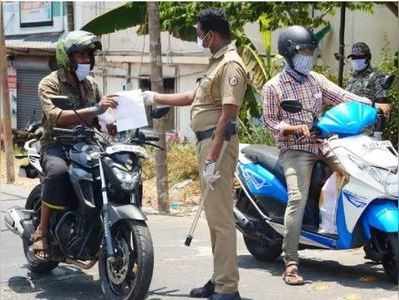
(291, 275)
(40, 246)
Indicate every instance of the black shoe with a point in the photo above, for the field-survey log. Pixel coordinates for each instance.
(233, 296)
(203, 292)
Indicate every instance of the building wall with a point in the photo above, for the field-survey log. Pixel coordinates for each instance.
(376, 29)
(12, 18)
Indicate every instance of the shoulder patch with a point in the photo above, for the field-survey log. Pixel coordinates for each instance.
(233, 80)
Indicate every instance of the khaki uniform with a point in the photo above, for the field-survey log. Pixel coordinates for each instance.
(225, 82)
(56, 84)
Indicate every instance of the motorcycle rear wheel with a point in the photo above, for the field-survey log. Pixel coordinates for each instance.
(33, 202)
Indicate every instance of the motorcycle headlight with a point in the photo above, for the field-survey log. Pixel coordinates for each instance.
(127, 179)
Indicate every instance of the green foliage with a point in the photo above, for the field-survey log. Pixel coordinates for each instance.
(182, 163)
(387, 66)
(255, 133)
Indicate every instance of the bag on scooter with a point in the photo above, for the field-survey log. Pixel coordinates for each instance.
(328, 203)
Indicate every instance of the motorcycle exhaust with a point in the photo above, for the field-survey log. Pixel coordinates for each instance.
(80, 264)
(14, 219)
(242, 220)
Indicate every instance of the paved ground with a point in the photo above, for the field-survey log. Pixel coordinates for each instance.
(332, 274)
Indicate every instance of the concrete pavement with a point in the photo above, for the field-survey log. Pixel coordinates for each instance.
(338, 275)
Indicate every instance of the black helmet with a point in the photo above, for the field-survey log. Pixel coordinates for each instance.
(360, 49)
(293, 39)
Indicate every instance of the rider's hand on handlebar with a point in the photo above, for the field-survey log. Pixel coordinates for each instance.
(302, 130)
(112, 130)
(108, 102)
(384, 107)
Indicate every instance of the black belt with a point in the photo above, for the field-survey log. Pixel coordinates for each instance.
(206, 134)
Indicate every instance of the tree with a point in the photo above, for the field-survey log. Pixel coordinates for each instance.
(157, 86)
(5, 117)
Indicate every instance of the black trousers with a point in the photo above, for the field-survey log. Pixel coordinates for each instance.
(56, 186)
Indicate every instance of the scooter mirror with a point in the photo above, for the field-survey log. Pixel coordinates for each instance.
(157, 113)
(291, 106)
(388, 80)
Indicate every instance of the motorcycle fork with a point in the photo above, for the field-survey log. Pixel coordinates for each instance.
(105, 214)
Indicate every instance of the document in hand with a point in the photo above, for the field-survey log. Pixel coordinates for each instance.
(130, 112)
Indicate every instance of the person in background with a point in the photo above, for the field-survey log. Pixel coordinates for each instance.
(366, 81)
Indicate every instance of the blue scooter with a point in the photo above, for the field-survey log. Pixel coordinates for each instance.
(367, 211)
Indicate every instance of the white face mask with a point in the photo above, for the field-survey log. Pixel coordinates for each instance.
(200, 42)
(303, 63)
(359, 64)
(82, 71)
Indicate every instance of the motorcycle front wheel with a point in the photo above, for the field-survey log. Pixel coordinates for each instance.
(129, 275)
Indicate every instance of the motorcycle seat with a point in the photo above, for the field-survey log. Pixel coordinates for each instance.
(266, 156)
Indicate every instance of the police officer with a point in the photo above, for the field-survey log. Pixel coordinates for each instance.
(75, 58)
(366, 81)
(214, 103)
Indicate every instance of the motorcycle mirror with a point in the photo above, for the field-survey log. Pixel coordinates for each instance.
(388, 80)
(157, 113)
(291, 106)
(33, 126)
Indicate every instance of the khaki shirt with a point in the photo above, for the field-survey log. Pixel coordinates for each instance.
(56, 84)
(225, 82)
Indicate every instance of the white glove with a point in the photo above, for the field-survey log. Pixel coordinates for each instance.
(210, 174)
(148, 98)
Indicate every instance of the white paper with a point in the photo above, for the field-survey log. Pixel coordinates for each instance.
(130, 112)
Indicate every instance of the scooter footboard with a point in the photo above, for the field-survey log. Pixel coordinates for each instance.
(382, 215)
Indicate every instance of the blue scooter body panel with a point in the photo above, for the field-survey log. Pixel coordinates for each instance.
(382, 215)
(262, 183)
(347, 119)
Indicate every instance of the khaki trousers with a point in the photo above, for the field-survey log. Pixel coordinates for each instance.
(220, 218)
(298, 166)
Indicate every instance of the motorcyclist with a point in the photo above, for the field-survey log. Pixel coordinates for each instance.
(299, 149)
(75, 57)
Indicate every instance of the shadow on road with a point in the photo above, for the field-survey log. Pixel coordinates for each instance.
(164, 292)
(362, 276)
(64, 282)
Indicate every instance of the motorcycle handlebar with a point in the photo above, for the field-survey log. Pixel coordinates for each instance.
(151, 139)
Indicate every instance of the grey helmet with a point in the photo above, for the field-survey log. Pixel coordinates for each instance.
(293, 39)
(74, 41)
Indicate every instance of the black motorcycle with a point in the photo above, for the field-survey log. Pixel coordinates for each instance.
(103, 222)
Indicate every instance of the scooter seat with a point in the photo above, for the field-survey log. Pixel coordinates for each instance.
(266, 156)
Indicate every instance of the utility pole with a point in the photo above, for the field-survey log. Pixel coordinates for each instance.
(6, 111)
(70, 10)
(342, 45)
(154, 28)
